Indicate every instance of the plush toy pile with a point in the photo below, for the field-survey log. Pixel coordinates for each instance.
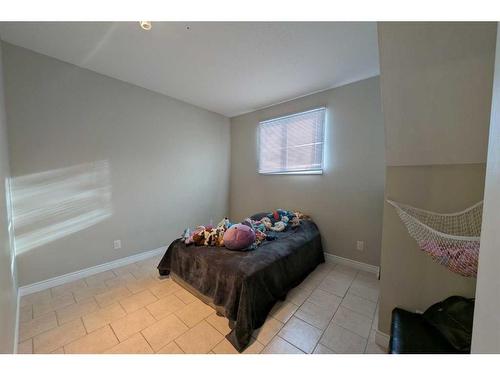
(246, 235)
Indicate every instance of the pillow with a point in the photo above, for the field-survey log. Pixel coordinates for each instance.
(453, 319)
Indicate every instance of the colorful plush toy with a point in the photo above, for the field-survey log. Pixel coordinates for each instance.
(249, 234)
(239, 237)
(278, 226)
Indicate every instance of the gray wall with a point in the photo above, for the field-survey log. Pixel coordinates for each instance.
(168, 161)
(436, 91)
(486, 330)
(436, 81)
(346, 201)
(8, 287)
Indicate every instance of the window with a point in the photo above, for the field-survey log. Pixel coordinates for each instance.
(292, 144)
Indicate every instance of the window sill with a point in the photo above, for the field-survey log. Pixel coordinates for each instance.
(319, 172)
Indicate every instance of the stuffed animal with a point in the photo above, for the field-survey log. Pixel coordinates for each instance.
(225, 223)
(295, 222)
(259, 237)
(279, 226)
(239, 237)
(266, 222)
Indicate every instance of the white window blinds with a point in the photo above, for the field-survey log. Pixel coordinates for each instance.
(292, 144)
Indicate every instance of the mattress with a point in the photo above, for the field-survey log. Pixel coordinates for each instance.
(244, 286)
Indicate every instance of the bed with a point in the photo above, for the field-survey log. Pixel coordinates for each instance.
(244, 286)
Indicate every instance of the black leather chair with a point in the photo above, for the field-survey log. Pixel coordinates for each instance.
(445, 328)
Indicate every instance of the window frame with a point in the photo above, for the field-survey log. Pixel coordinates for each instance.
(318, 171)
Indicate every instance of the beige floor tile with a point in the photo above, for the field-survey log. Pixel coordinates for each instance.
(141, 284)
(76, 310)
(301, 334)
(25, 347)
(369, 277)
(280, 346)
(283, 311)
(112, 296)
(102, 317)
(121, 280)
(225, 347)
(96, 342)
(360, 305)
(269, 329)
(137, 301)
(316, 315)
(52, 304)
(149, 262)
(194, 313)
(124, 269)
(68, 287)
(373, 348)
(199, 339)
(312, 281)
(340, 276)
(99, 278)
(36, 326)
(58, 351)
(365, 290)
(132, 323)
(335, 286)
(171, 348)
(349, 271)
(136, 344)
(164, 331)
(185, 296)
(220, 323)
(298, 295)
(353, 321)
(35, 297)
(164, 288)
(142, 272)
(49, 341)
(324, 299)
(165, 306)
(342, 341)
(25, 313)
(83, 294)
(321, 349)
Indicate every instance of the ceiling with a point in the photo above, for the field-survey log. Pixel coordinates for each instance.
(229, 68)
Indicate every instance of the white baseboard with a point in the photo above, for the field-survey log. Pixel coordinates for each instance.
(352, 263)
(63, 279)
(382, 339)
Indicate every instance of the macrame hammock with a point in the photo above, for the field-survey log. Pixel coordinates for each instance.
(450, 239)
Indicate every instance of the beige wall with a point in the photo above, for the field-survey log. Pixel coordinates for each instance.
(8, 287)
(436, 91)
(346, 201)
(167, 161)
(436, 81)
(486, 331)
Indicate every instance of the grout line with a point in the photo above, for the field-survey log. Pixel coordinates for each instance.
(277, 333)
(147, 342)
(333, 316)
(114, 333)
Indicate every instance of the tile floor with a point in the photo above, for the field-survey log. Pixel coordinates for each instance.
(131, 310)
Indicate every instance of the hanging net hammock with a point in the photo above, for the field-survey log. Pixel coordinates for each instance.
(450, 239)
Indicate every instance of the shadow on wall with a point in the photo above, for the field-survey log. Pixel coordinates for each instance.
(53, 204)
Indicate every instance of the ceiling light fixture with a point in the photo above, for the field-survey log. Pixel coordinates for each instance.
(145, 25)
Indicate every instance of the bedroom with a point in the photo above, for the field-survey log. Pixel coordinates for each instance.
(215, 187)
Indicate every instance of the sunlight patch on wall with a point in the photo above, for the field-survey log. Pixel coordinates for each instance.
(50, 205)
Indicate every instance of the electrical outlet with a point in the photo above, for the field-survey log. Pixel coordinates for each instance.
(360, 245)
(117, 244)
